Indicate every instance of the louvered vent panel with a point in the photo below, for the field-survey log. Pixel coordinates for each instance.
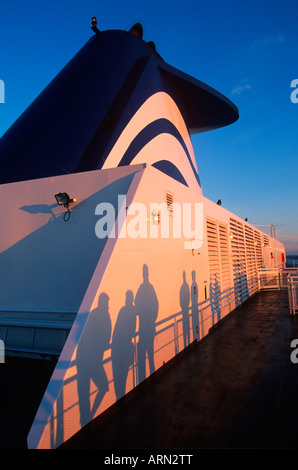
(169, 201)
(258, 250)
(250, 260)
(224, 257)
(239, 261)
(214, 265)
(213, 250)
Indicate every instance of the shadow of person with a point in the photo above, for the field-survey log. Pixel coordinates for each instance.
(194, 306)
(122, 346)
(184, 304)
(94, 341)
(147, 309)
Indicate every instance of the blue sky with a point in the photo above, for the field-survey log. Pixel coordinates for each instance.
(247, 50)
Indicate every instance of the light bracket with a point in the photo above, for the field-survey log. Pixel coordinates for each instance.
(63, 199)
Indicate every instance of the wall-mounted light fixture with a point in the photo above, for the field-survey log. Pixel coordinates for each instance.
(155, 217)
(63, 199)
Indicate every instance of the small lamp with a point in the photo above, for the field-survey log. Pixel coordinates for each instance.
(156, 218)
(63, 199)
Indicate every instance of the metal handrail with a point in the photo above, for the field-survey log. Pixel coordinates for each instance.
(293, 292)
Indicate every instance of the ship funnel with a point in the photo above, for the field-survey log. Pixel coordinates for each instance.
(143, 111)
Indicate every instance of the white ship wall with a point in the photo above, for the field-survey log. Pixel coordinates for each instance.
(45, 263)
(104, 355)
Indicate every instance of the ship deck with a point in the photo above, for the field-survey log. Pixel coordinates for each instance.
(237, 388)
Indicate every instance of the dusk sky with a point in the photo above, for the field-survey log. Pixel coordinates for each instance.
(247, 50)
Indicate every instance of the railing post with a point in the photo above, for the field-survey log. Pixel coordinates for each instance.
(292, 296)
(2, 352)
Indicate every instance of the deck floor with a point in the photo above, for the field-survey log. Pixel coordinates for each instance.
(238, 388)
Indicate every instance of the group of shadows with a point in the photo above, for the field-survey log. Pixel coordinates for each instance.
(96, 339)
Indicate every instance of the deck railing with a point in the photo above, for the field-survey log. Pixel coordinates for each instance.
(274, 278)
(293, 292)
(281, 279)
(269, 278)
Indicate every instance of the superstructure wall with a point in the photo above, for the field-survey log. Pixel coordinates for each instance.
(148, 299)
